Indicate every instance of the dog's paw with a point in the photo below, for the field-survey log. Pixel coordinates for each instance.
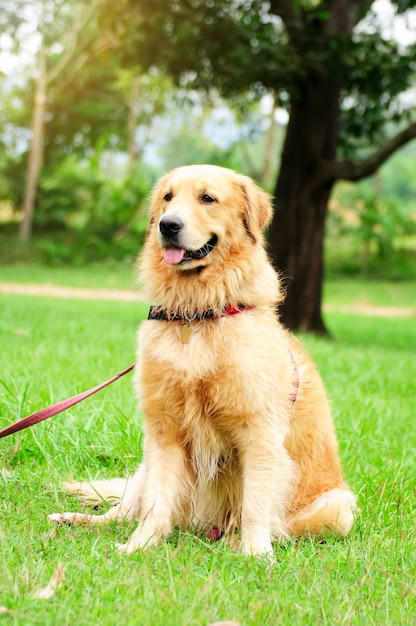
(256, 544)
(73, 519)
(253, 547)
(131, 546)
(124, 547)
(139, 541)
(258, 550)
(58, 518)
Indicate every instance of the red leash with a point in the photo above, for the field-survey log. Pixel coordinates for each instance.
(44, 414)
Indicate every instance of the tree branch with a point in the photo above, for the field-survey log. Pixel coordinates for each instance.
(346, 170)
(105, 43)
(69, 50)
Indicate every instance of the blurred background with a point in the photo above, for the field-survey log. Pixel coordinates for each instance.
(314, 100)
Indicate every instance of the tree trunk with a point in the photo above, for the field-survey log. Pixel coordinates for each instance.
(301, 198)
(42, 90)
(132, 148)
(36, 148)
(270, 145)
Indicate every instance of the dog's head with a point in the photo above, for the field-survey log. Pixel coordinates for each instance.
(204, 246)
(199, 209)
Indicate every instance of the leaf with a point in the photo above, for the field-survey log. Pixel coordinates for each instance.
(229, 623)
(55, 582)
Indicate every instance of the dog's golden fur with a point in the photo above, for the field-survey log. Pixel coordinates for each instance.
(226, 446)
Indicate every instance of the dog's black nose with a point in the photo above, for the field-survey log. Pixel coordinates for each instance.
(170, 225)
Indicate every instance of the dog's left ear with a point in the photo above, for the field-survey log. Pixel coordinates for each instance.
(258, 209)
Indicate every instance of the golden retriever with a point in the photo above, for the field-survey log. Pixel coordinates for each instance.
(238, 431)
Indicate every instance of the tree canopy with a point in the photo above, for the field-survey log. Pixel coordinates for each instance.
(241, 46)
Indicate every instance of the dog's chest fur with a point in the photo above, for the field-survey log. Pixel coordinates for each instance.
(211, 389)
(192, 384)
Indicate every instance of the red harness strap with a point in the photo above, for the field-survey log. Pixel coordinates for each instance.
(294, 395)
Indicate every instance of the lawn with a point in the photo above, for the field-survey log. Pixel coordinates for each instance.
(52, 348)
(96, 276)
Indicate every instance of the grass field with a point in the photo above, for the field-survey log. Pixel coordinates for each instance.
(52, 348)
(95, 276)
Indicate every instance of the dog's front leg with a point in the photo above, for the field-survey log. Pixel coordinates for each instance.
(165, 486)
(267, 478)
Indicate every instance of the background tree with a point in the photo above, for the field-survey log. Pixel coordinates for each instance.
(62, 39)
(75, 98)
(337, 80)
(55, 29)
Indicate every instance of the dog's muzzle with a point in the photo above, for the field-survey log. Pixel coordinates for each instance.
(170, 227)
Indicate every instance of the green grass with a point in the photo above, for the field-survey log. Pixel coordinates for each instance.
(95, 276)
(51, 349)
(343, 291)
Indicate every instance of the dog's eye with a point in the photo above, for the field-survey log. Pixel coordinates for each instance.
(167, 197)
(207, 199)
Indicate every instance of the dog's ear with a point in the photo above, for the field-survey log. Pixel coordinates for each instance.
(149, 225)
(258, 209)
(154, 203)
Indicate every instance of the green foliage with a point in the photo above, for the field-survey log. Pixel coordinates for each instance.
(397, 178)
(404, 5)
(377, 70)
(12, 178)
(187, 148)
(85, 214)
(371, 225)
(240, 47)
(379, 223)
(374, 236)
(86, 99)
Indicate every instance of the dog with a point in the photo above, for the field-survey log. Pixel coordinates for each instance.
(239, 439)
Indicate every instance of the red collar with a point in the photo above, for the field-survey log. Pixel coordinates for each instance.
(155, 313)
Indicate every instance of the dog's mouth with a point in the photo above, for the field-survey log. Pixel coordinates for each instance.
(179, 256)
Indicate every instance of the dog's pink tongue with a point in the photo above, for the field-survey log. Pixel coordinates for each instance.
(173, 256)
